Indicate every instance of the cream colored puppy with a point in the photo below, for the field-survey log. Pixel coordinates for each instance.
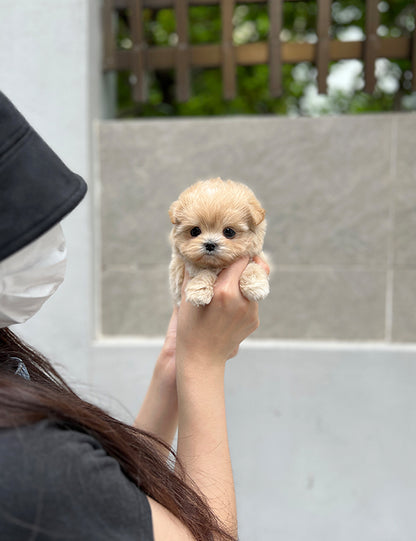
(214, 223)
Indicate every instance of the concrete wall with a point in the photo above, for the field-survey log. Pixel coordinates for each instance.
(50, 69)
(322, 436)
(340, 196)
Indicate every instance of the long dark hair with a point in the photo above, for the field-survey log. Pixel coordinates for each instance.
(141, 455)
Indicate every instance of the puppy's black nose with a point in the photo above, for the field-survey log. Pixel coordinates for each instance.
(210, 246)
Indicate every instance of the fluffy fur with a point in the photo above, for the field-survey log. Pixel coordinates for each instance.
(214, 223)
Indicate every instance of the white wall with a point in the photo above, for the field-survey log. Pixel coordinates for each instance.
(50, 69)
(322, 435)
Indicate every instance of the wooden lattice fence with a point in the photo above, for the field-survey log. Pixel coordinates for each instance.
(183, 56)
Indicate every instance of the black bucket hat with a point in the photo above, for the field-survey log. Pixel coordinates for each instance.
(36, 188)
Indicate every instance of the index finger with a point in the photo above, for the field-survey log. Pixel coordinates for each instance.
(257, 259)
(233, 272)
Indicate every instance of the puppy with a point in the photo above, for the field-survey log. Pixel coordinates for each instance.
(214, 223)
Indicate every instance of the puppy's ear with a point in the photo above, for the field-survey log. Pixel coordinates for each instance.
(174, 212)
(257, 213)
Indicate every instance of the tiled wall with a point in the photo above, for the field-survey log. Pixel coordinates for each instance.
(340, 196)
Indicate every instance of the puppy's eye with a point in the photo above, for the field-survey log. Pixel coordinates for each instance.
(195, 231)
(229, 233)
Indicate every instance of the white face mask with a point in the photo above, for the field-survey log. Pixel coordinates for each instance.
(30, 276)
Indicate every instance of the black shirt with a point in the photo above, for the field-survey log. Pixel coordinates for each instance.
(59, 484)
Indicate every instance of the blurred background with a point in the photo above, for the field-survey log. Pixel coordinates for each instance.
(312, 104)
(295, 24)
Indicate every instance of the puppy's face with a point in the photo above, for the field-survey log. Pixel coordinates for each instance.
(215, 222)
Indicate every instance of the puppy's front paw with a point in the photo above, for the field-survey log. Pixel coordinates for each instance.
(199, 294)
(200, 289)
(254, 283)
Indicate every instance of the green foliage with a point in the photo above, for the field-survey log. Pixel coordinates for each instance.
(299, 97)
(204, 24)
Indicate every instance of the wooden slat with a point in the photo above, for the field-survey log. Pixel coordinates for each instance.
(251, 54)
(183, 75)
(322, 50)
(275, 64)
(227, 50)
(371, 44)
(413, 54)
(393, 48)
(139, 69)
(109, 38)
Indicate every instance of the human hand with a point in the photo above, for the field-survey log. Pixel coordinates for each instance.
(209, 335)
(257, 259)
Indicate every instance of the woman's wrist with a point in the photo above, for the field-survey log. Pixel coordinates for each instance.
(199, 368)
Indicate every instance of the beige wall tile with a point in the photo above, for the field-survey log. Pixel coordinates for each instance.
(324, 304)
(405, 190)
(404, 305)
(324, 182)
(136, 301)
